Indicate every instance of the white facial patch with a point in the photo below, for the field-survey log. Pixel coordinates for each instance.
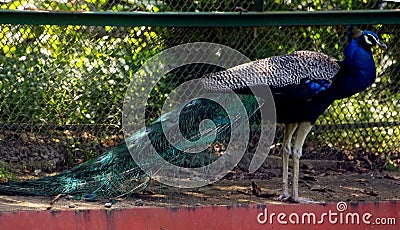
(366, 38)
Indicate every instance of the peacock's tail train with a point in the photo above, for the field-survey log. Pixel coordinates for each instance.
(115, 173)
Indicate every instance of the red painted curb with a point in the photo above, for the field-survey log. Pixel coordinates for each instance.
(369, 215)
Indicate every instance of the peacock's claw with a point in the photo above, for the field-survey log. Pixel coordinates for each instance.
(283, 197)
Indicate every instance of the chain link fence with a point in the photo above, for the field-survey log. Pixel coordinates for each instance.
(62, 87)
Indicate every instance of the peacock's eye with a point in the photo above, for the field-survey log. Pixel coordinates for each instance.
(370, 39)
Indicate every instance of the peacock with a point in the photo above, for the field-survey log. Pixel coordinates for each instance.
(303, 85)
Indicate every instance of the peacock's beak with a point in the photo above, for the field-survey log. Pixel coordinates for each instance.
(381, 44)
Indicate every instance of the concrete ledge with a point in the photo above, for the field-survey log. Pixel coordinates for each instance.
(370, 215)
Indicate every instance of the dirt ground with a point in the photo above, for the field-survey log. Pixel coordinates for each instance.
(322, 185)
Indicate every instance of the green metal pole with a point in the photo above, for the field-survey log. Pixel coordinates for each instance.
(293, 18)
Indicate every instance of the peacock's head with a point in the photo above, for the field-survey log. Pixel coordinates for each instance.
(367, 39)
(370, 39)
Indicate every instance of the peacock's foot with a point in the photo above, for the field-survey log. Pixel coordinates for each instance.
(283, 197)
(302, 200)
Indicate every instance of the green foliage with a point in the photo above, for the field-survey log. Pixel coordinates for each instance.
(77, 75)
(6, 173)
(271, 5)
(85, 5)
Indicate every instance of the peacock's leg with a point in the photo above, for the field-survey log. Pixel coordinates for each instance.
(302, 131)
(286, 151)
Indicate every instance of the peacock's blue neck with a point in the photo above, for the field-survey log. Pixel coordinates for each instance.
(357, 72)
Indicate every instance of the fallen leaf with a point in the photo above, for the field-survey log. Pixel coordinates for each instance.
(318, 188)
(391, 177)
(255, 189)
(323, 174)
(362, 180)
(243, 192)
(308, 178)
(371, 192)
(310, 172)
